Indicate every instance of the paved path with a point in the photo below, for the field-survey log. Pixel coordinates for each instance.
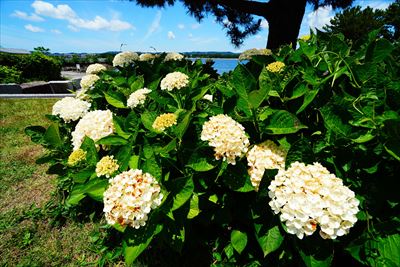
(72, 75)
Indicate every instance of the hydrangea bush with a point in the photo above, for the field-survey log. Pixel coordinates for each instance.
(242, 169)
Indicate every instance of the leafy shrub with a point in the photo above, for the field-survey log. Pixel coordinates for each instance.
(9, 75)
(35, 66)
(322, 103)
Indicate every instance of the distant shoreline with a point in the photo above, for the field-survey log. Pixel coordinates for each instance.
(219, 58)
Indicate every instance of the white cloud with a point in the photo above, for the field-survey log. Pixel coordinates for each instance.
(373, 4)
(190, 35)
(195, 26)
(73, 28)
(181, 26)
(65, 12)
(55, 31)
(155, 25)
(320, 17)
(49, 10)
(171, 35)
(264, 24)
(100, 23)
(25, 16)
(32, 28)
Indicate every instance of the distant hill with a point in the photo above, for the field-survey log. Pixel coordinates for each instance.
(196, 54)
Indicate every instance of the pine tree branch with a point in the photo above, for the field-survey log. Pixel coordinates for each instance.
(250, 7)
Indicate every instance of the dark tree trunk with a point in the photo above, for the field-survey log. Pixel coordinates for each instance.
(284, 19)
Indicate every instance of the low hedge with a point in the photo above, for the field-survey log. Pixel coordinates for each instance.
(35, 66)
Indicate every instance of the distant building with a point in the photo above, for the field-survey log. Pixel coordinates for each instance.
(14, 51)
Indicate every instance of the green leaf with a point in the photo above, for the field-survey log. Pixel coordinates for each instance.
(150, 163)
(52, 135)
(238, 240)
(379, 50)
(134, 245)
(95, 189)
(242, 81)
(115, 99)
(112, 140)
(199, 164)
(181, 128)
(389, 250)
(118, 123)
(269, 239)
(194, 207)
(283, 122)
(81, 176)
(154, 84)
(301, 151)
(89, 146)
(35, 133)
(123, 156)
(134, 162)
(184, 194)
(308, 98)
(256, 97)
(75, 196)
(316, 252)
(147, 119)
(364, 138)
(237, 178)
(137, 84)
(332, 115)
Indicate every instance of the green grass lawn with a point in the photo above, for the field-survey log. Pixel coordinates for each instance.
(27, 238)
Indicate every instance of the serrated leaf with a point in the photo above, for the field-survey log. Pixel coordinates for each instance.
(283, 122)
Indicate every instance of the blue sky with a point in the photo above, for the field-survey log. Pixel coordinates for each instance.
(102, 25)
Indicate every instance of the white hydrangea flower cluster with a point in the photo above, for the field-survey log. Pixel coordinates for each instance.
(307, 196)
(125, 58)
(88, 81)
(130, 198)
(147, 57)
(138, 97)
(264, 156)
(174, 80)
(95, 125)
(70, 109)
(95, 68)
(246, 55)
(226, 136)
(173, 56)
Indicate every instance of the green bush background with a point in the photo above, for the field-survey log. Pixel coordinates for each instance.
(35, 66)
